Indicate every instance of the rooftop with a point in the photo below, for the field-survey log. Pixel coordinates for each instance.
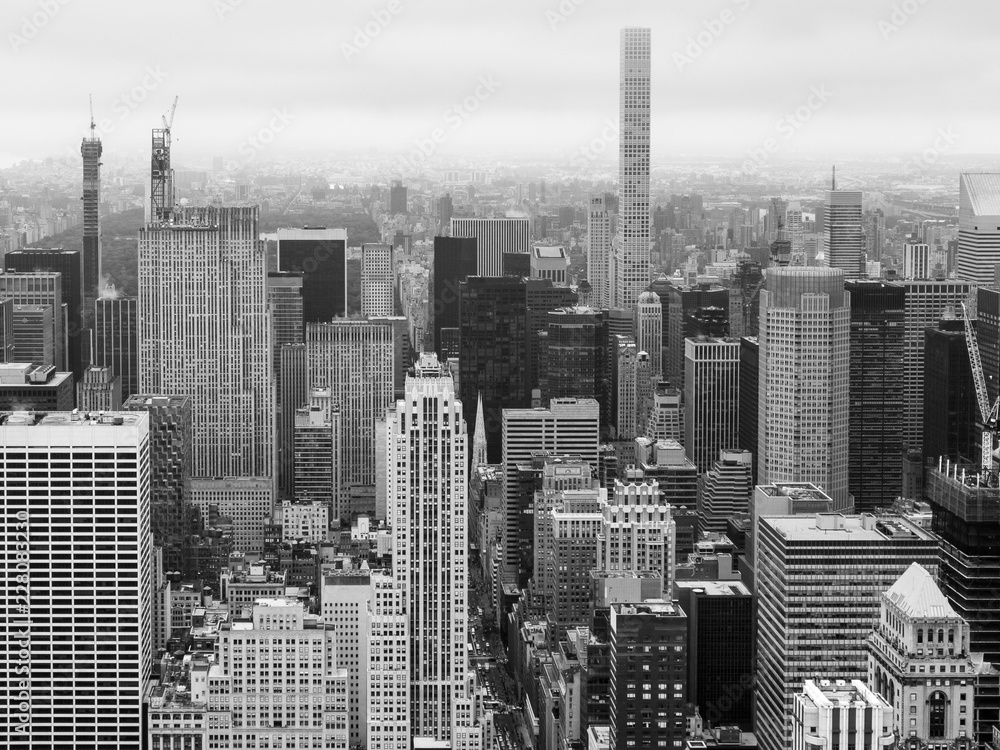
(917, 595)
(796, 490)
(838, 527)
(74, 418)
(716, 588)
(983, 190)
(840, 694)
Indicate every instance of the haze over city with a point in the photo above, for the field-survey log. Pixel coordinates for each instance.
(724, 73)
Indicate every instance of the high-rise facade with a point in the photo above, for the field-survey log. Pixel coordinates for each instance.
(844, 239)
(801, 633)
(427, 463)
(568, 426)
(7, 330)
(649, 330)
(926, 303)
(951, 408)
(284, 301)
(355, 360)
(916, 260)
(978, 227)
(875, 453)
(99, 390)
(318, 432)
(827, 713)
(917, 628)
(624, 391)
(725, 490)
(711, 398)
(90, 150)
(632, 240)
(397, 198)
(320, 255)
(454, 262)
(701, 309)
(803, 410)
(494, 237)
(601, 229)
(377, 280)
(77, 636)
(648, 675)
(32, 333)
(70, 265)
(204, 331)
(41, 288)
(172, 516)
(575, 359)
(493, 345)
(116, 339)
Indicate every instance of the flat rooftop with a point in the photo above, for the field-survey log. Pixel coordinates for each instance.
(649, 607)
(716, 588)
(797, 490)
(848, 528)
(69, 419)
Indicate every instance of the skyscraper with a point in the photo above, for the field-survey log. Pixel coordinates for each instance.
(493, 347)
(632, 245)
(701, 309)
(172, 516)
(99, 390)
(427, 464)
(77, 638)
(320, 255)
(875, 452)
(951, 408)
(844, 239)
(978, 227)
(803, 408)
(355, 360)
(575, 358)
(649, 329)
(711, 398)
(116, 339)
(7, 330)
(725, 490)
(69, 264)
(91, 150)
(377, 280)
(494, 237)
(816, 620)
(568, 426)
(926, 302)
(454, 262)
(916, 260)
(203, 331)
(397, 198)
(41, 288)
(600, 235)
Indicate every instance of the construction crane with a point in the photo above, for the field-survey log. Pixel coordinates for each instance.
(989, 415)
(167, 124)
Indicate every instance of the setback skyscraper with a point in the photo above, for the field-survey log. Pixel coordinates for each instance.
(978, 227)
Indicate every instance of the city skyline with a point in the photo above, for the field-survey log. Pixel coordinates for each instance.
(850, 77)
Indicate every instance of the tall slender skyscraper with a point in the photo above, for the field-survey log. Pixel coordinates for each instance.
(77, 632)
(454, 262)
(204, 331)
(91, 150)
(427, 464)
(978, 227)
(632, 266)
(803, 381)
(844, 235)
(649, 330)
(711, 398)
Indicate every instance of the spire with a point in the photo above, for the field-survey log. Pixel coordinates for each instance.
(834, 176)
(479, 438)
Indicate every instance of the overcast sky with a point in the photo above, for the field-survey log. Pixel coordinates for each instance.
(892, 75)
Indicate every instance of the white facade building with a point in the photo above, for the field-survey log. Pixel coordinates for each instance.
(78, 616)
(834, 713)
(844, 238)
(916, 260)
(711, 398)
(979, 227)
(601, 227)
(649, 329)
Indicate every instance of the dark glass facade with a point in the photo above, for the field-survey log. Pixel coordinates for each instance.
(951, 410)
(454, 262)
(323, 265)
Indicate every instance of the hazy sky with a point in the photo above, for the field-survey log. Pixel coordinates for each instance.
(725, 75)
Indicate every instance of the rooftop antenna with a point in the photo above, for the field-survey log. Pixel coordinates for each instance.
(93, 125)
(834, 176)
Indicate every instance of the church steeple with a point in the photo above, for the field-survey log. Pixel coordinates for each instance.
(479, 438)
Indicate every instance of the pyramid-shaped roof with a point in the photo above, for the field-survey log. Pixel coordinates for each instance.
(983, 191)
(917, 595)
